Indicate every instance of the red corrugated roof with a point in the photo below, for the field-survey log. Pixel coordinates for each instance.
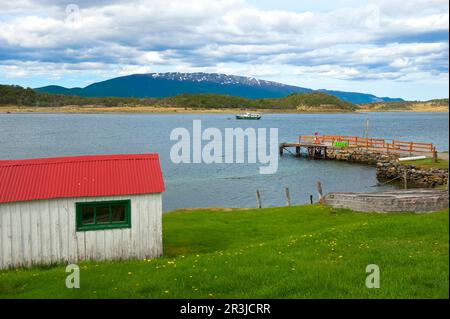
(80, 176)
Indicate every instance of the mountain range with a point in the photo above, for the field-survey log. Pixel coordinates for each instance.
(160, 85)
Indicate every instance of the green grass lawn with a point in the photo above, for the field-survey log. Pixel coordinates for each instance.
(428, 163)
(298, 252)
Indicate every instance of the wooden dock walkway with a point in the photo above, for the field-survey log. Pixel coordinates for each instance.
(318, 151)
(316, 146)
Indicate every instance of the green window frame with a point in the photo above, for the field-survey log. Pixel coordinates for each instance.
(102, 213)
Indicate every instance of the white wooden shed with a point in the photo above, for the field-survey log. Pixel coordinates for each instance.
(69, 209)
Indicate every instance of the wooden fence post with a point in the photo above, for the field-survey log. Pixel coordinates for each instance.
(258, 198)
(319, 190)
(366, 133)
(435, 155)
(405, 180)
(288, 196)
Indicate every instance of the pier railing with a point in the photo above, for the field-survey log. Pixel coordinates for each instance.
(383, 145)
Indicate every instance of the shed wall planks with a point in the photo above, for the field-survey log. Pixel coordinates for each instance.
(44, 232)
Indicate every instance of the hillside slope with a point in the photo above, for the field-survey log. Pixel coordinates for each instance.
(306, 102)
(302, 102)
(436, 105)
(359, 98)
(160, 85)
(171, 84)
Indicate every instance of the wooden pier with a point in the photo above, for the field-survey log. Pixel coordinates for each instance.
(374, 144)
(317, 151)
(316, 146)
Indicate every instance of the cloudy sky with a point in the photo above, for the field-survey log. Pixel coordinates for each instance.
(391, 48)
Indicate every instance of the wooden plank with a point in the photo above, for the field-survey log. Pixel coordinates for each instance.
(54, 230)
(46, 241)
(109, 249)
(25, 212)
(70, 228)
(16, 238)
(63, 239)
(135, 228)
(90, 238)
(140, 235)
(6, 236)
(99, 242)
(35, 230)
(158, 214)
(146, 232)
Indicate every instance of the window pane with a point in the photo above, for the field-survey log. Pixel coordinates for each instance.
(102, 215)
(87, 215)
(118, 213)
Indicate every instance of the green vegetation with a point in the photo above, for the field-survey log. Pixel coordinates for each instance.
(407, 105)
(428, 163)
(313, 100)
(439, 102)
(310, 101)
(340, 144)
(16, 95)
(317, 100)
(307, 251)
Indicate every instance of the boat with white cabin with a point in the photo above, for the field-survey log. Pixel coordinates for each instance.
(248, 116)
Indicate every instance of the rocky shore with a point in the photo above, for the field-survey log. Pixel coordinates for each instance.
(360, 155)
(390, 169)
(415, 176)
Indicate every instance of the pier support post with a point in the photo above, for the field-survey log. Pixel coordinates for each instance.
(297, 151)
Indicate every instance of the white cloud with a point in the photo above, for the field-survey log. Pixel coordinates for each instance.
(391, 39)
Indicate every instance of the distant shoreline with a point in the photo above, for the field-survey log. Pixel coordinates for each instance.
(436, 110)
(171, 110)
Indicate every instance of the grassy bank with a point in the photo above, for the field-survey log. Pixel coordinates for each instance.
(298, 252)
(428, 163)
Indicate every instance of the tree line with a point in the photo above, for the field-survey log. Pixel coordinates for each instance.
(19, 96)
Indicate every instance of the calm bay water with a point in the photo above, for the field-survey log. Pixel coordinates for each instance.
(217, 185)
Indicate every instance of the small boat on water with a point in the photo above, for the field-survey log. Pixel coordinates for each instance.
(248, 116)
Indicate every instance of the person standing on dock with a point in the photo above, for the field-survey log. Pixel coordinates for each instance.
(316, 138)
